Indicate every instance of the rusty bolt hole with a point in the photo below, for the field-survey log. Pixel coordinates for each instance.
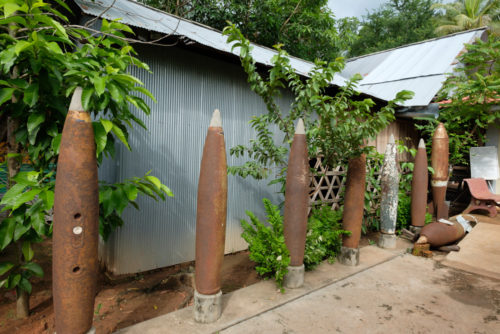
(76, 269)
(77, 215)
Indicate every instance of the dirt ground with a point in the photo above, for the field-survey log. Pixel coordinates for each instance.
(121, 301)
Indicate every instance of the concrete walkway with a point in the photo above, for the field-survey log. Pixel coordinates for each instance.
(389, 292)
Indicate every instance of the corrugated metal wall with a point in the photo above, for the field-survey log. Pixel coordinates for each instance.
(188, 88)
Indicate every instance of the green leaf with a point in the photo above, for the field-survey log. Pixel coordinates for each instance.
(25, 285)
(145, 92)
(9, 8)
(54, 47)
(21, 46)
(27, 178)
(131, 191)
(27, 251)
(59, 28)
(100, 85)
(34, 122)
(119, 199)
(100, 136)
(38, 223)
(116, 93)
(6, 94)
(6, 232)
(10, 196)
(47, 196)
(56, 142)
(107, 124)
(86, 96)
(34, 268)
(167, 190)
(20, 230)
(154, 180)
(5, 267)
(120, 135)
(14, 280)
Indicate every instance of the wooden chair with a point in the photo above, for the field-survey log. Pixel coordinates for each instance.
(481, 197)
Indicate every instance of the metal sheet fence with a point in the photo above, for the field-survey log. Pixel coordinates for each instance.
(188, 88)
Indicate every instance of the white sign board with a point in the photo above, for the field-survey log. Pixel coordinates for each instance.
(484, 162)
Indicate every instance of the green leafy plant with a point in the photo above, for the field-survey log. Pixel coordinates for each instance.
(267, 247)
(266, 243)
(324, 236)
(40, 66)
(336, 125)
(371, 209)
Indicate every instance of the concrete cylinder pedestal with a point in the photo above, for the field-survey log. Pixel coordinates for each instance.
(207, 308)
(349, 256)
(295, 277)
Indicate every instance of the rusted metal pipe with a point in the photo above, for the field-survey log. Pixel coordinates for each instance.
(76, 223)
(419, 185)
(296, 197)
(439, 162)
(211, 222)
(352, 217)
(389, 192)
(296, 205)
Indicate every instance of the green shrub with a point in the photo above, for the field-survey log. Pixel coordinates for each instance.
(267, 247)
(266, 243)
(404, 211)
(324, 236)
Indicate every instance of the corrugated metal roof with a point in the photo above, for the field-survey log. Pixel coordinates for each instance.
(419, 67)
(142, 16)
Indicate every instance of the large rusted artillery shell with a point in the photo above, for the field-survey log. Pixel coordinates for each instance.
(296, 197)
(439, 162)
(76, 224)
(440, 234)
(419, 186)
(390, 186)
(352, 217)
(211, 211)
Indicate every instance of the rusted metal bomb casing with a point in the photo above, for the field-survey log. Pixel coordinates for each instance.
(390, 186)
(352, 217)
(440, 234)
(439, 162)
(76, 223)
(297, 197)
(211, 210)
(419, 186)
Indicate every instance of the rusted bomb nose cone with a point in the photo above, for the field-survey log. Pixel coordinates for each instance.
(296, 203)
(439, 162)
(352, 216)
(389, 200)
(439, 234)
(419, 187)
(211, 224)
(76, 223)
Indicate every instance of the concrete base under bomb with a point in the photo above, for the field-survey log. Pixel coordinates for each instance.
(349, 256)
(387, 241)
(207, 308)
(295, 277)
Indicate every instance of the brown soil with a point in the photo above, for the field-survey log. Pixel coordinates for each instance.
(123, 300)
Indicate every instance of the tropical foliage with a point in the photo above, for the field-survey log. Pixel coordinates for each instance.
(395, 23)
(306, 28)
(336, 125)
(40, 67)
(468, 14)
(266, 241)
